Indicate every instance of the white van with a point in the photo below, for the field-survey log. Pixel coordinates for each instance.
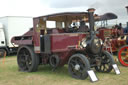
(12, 26)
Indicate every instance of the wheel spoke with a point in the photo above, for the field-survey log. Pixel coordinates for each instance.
(22, 60)
(107, 61)
(78, 74)
(104, 68)
(73, 61)
(27, 65)
(72, 65)
(101, 67)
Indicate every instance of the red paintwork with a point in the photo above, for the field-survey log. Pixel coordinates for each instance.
(64, 56)
(36, 36)
(111, 32)
(65, 41)
(23, 42)
(113, 35)
(26, 41)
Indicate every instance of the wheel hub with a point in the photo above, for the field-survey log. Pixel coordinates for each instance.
(77, 67)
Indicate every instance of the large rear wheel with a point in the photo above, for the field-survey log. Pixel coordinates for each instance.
(78, 66)
(106, 63)
(27, 60)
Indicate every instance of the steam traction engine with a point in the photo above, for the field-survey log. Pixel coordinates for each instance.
(111, 35)
(123, 51)
(115, 38)
(77, 46)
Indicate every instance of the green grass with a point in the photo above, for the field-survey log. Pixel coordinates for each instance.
(9, 75)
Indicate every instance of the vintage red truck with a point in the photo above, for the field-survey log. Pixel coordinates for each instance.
(79, 47)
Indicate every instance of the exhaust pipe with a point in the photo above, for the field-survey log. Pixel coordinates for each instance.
(127, 13)
(127, 24)
(91, 20)
(127, 8)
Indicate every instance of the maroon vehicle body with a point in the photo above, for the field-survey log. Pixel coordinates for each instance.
(56, 41)
(77, 46)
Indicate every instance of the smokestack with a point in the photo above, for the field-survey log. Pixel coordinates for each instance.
(127, 8)
(91, 19)
(127, 24)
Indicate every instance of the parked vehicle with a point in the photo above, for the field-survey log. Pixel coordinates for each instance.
(123, 51)
(10, 26)
(115, 37)
(79, 47)
(110, 34)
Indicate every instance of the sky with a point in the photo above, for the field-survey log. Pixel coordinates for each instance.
(43, 7)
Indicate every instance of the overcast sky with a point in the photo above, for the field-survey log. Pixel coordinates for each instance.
(42, 7)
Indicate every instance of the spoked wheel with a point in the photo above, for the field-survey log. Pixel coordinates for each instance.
(2, 53)
(106, 63)
(78, 65)
(27, 60)
(123, 55)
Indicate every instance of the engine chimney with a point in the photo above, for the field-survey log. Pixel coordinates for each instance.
(127, 8)
(127, 24)
(91, 19)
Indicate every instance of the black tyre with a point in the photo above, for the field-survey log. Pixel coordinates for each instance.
(78, 66)
(106, 63)
(27, 60)
(2, 53)
(54, 61)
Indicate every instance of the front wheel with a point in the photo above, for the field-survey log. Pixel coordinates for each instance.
(106, 63)
(78, 66)
(3, 53)
(27, 60)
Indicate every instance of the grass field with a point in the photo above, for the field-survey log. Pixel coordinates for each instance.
(9, 75)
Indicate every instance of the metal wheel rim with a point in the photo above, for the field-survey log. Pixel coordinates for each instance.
(122, 55)
(24, 59)
(77, 61)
